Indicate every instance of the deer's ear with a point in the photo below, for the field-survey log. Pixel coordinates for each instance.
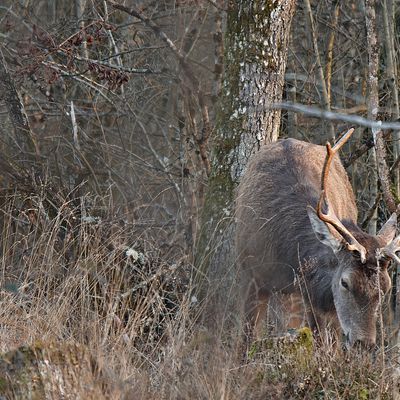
(388, 231)
(323, 233)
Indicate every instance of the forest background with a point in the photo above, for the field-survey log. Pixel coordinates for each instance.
(125, 127)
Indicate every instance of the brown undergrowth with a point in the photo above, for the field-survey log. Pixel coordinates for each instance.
(91, 295)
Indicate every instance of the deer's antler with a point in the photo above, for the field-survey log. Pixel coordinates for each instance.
(330, 217)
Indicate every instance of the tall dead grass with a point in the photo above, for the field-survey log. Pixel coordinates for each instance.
(86, 277)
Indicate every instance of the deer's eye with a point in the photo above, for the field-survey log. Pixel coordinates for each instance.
(344, 284)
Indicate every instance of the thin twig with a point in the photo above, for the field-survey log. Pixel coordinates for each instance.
(80, 78)
(371, 211)
(217, 5)
(24, 135)
(202, 139)
(329, 57)
(313, 33)
(117, 67)
(74, 127)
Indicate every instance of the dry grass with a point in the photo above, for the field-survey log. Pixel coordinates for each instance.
(102, 285)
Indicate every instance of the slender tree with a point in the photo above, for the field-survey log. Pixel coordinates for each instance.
(23, 138)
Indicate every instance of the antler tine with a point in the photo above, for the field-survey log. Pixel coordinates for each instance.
(331, 151)
(331, 217)
(392, 248)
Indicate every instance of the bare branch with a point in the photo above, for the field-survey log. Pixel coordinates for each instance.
(316, 53)
(361, 150)
(218, 5)
(188, 71)
(331, 41)
(8, 93)
(82, 78)
(331, 115)
(118, 67)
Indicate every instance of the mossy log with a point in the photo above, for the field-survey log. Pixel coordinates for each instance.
(50, 371)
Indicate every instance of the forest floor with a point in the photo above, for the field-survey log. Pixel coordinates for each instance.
(100, 310)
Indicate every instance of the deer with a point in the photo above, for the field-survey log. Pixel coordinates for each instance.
(297, 231)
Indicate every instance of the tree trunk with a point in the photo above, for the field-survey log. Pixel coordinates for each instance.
(255, 46)
(373, 99)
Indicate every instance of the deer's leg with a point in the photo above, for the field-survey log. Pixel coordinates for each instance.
(295, 310)
(260, 314)
(315, 320)
(256, 311)
(325, 327)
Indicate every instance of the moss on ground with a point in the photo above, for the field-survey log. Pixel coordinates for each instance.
(50, 371)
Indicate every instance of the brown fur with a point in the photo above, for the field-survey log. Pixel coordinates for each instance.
(275, 238)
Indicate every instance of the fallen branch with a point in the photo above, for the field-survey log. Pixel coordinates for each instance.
(331, 115)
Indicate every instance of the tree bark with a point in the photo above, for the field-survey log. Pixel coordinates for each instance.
(391, 73)
(255, 61)
(255, 44)
(379, 152)
(373, 99)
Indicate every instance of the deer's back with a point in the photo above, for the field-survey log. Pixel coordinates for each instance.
(273, 229)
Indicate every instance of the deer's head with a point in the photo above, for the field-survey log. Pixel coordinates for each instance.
(361, 278)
